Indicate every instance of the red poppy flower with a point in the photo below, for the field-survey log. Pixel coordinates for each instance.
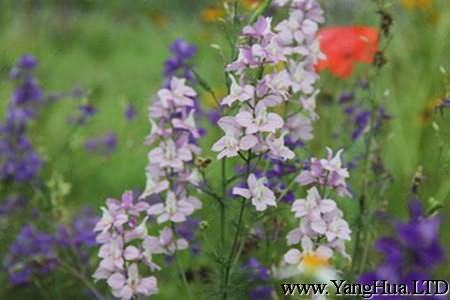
(346, 45)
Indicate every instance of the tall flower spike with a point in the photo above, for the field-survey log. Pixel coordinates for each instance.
(268, 77)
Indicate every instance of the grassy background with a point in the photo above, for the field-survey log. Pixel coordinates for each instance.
(114, 51)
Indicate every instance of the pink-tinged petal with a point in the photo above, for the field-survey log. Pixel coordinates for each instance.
(104, 250)
(156, 155)
(141, 206)
(327, 205)
(299, 208)
(120, 219)
(116, 281)
(259, 205)
(274, 121)
(178, 217)
(247, 93)
(319, 226)
(166, 235)
(131, 253)
(244, 118)
(185, 154)
(185, 207)
(248, 142)
(162, 218)
(313, 194)
(164, 94)
(126, 293)
(331, 236)
(152, 243)
(241, 192)
(101, 273)
(307, 244)
(118, 262)
(294, 236)
(147, 286)
(182, 244)
(292, 257)
(324, 252)
(156, 209)
(252, 182)
(107, 264)
(228, 100)
(219, 145)
(195, 202)
(305, 178)
(227, 123)
(269, 197)
(112, 204)
(127, 199)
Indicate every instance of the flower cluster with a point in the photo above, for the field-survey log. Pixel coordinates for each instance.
(178, 65)
(170, 170)
(326, 173)
(78, 236)
(322, 228)
(274, 72)
(125, 243)
(32, 254)
(413, 253)
(259, 276)
(170, 167)
(38, 253)
(18, 160)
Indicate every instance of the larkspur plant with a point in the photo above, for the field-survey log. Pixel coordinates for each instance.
(274, 69)
(413, 253)
(19, 161)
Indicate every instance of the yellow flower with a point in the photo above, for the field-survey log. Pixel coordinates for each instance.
(251, 4)
(314, 261)
(211, 14)
(157, 18)
(427, 112)
(417, 4)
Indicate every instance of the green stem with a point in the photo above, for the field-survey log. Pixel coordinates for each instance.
(223, 216)
(364, 188)
(237, 233)
(83, 279)
(181, 271)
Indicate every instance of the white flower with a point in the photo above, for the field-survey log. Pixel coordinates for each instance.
(260, 195)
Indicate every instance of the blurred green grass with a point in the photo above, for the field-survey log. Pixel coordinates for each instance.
(116, 55)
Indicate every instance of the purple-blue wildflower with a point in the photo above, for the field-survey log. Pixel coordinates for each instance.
(413, 252)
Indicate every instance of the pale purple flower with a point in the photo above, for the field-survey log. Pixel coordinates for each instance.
(155, 184)
(302, 79)
(328, 172)
(313, 205)
(179, 94)
(260, 120)
(170, 155)
(174, 210)
(233, 141)
(133, 284)
(261, 28)
(337, 229)
(165, 243)
(187, 123)
(111, 217)
(300, 128)
(238, 92)
(277, 147)
(259, 194)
